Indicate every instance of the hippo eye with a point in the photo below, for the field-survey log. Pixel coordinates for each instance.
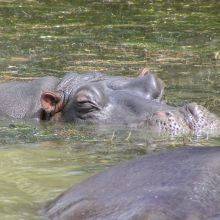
(86, 101)
(87, 105)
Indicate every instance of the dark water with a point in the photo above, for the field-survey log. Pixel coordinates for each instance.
(177, 39)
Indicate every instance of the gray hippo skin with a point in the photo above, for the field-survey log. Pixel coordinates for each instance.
(101, 99)
(49, 98)
(22, 99)
(183, 184)
(97, 98)
(119, 100)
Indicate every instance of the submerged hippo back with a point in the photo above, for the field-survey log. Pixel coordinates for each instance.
(177, 185)
(22, 99)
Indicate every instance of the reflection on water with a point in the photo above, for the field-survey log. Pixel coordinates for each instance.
(178, 40)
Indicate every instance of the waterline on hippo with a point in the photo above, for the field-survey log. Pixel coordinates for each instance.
(131, 102)
(100, 99)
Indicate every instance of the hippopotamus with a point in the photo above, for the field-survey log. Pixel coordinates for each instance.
(181, 184)
(102, 99)
(50, 98)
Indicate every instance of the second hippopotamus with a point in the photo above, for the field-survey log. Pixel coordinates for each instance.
(182, 184)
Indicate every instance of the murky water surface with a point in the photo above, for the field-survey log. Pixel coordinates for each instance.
(177, 39)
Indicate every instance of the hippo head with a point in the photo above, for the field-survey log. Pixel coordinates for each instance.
(102, 100)
(117, 100)
(191, 118)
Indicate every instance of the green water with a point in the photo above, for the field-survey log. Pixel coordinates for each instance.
(177, 39)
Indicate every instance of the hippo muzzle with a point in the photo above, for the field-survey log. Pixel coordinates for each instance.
(189, 119)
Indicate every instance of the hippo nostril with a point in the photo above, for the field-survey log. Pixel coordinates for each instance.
(193, 108)
(169, 114)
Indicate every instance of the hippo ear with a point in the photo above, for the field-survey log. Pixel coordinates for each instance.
(144, 72)
(52, 102)
(160, 88)
(154, 86)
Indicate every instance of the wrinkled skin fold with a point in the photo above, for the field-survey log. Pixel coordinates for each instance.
(101, 99)
(182, 184)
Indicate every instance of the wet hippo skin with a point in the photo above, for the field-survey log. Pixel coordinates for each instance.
(50, 98)
(101, 99)
(182, 184)
(22, 99)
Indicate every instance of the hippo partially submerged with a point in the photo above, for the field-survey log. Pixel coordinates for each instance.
(49, 98)
(183, 184)
(98, 98)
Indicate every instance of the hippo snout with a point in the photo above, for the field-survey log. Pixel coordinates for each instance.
(169, 122)
(191, 118)
(200, 120)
